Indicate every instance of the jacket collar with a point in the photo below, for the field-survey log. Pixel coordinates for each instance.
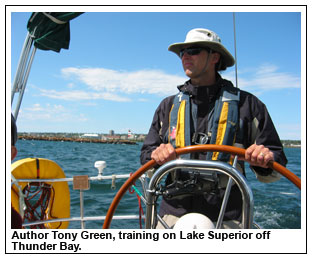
(202, 93)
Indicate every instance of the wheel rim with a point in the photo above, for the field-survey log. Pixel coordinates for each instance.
(186, 150)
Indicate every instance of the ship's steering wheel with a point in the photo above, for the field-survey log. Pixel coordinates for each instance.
(185, 150)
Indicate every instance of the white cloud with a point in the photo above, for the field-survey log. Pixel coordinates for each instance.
(265, 78)
(70, 85)
(48, 112)
(142, 81)
(107, 84)
(77, 95)
(36, 107)
(266, 69)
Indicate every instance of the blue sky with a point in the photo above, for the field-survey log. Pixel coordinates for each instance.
(118, 68)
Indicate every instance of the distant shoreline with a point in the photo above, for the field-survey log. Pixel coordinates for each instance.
(292, 146)
(82, 140)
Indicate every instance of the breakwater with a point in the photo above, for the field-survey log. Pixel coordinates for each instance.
(85, 140)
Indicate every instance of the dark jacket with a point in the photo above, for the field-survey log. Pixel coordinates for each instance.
(256, 126)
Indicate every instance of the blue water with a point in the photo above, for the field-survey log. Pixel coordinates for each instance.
(277, 205)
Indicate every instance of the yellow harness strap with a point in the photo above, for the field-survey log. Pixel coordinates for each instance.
(221, 128)
(180, 137)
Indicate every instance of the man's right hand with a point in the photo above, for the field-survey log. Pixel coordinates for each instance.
(163, 154)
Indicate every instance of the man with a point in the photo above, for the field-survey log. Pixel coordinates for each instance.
(16, 220)
(213, 112)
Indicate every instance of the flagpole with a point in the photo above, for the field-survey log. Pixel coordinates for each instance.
(235, 49)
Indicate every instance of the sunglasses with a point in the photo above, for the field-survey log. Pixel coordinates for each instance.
(191, 51)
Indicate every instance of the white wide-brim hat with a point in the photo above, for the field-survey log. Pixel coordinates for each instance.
(204, 38)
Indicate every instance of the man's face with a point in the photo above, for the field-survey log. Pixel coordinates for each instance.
(199, 64)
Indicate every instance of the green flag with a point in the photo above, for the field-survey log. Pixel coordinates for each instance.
(51, 31)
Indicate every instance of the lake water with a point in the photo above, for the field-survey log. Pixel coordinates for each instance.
(276, 205)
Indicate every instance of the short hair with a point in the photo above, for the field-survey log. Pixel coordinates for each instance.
(13, 130)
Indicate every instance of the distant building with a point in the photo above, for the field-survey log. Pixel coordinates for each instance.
(141, 137)
(111, 133)
(115, 137)
(295, 145)
(131, 135)
(88, 135)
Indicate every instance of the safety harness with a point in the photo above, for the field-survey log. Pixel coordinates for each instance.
(222, 122)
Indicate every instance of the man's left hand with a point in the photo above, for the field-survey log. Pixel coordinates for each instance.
(258, 155)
